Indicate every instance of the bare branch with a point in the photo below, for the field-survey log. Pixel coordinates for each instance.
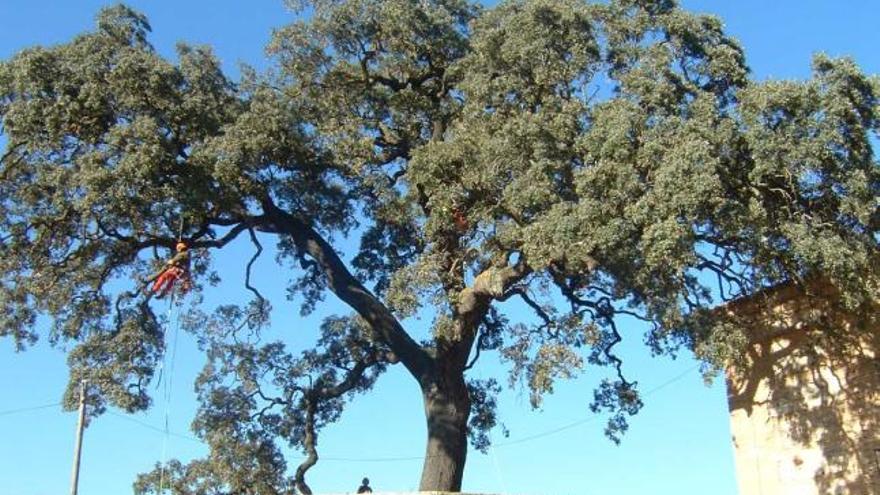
(608, 350)
(229, 237)
(11, 150)
(602, 310)
(247, 276)
(479, 346)
(523, 294)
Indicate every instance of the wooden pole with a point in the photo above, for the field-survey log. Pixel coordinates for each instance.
(74, 479)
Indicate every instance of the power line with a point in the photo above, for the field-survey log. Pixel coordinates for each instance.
(672, 380)
(517, 441)
(155, 428)
(161, 430)
(595, 418)
(28, 409)
(529, 438)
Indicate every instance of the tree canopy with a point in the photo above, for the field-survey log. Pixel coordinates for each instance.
(585, 160)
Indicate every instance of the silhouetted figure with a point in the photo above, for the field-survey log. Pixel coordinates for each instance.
(365, 486)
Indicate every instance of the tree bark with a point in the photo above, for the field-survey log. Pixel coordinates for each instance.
(309, 442)
(445, 393)
(349, 289)
(447, 407)
(440, 373)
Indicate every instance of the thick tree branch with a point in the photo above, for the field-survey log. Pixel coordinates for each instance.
(473, 304)
(396, 85)
(350, 381)
(312, 399)
(342, 283)
(233, 233)
(149, 241)
(310, 441)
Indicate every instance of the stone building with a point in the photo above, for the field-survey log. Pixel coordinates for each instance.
(805, 400)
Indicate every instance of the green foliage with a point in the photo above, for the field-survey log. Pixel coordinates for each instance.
(484, 414)
(590, 161)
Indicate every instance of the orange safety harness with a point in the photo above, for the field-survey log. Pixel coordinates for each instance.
(175, 273)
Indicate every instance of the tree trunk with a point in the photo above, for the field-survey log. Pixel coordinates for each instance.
(447, 407)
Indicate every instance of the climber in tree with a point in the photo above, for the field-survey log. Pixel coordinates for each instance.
(175, 270)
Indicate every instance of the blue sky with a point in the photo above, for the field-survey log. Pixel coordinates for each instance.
(679, 444)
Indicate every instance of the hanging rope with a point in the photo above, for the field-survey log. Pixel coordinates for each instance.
(167, 382)
(497, 465)
(180, 229)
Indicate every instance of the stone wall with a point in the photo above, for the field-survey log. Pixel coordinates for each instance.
(805, 401)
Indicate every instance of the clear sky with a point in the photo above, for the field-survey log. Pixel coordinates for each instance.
(679, 444)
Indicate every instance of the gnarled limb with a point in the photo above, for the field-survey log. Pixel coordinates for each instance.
(473, 304)
(311, 400)
(342, 283)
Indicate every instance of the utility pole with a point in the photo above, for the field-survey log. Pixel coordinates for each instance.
(74, 479)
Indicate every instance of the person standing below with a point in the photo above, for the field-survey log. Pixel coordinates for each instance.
(365, 486)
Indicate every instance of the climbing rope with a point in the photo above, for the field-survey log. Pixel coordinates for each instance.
(497, 465)
(166, 381)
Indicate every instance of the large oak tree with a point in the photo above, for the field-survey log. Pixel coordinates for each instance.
(584, 160)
